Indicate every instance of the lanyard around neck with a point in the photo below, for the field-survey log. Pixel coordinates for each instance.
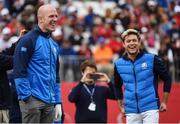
(90, 93)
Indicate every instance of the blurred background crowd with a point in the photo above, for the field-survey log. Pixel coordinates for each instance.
(91, 29)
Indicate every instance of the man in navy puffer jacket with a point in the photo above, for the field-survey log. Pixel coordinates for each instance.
(138, 72)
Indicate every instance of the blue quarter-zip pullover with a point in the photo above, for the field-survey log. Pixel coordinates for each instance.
(36, 67)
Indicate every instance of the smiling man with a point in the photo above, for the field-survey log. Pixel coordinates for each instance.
(138, 72)
(36, 70)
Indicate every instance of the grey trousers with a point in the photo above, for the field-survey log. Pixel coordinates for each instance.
(36, 111)
(4, 116)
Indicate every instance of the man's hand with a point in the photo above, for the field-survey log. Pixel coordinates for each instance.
(121, 107)
(86, 78)
(58, 112)
(122, 110)
(163, 107)
(22, 32)
(103, 77)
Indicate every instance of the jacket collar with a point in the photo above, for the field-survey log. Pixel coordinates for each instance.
(140, 54)
(45, 34)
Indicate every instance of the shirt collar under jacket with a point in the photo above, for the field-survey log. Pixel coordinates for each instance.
(48, 34)
(140, 54)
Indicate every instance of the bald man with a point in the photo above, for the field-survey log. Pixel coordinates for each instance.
(36, 70)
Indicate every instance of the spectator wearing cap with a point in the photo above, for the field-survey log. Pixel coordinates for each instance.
(151, 6)
(6, 35)
(103, 56)
(139, 71)
(176, 15)
(5, 16)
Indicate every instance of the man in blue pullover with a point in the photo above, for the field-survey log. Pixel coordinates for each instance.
(138, 72)
(36, 70)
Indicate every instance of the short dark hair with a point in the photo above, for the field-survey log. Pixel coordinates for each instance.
(128, 32)
(88, 63)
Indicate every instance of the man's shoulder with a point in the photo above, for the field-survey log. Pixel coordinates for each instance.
(148, 55)
(119, 60)
(28, 38)
(32, 34)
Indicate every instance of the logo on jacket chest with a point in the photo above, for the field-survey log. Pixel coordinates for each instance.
(144, 65)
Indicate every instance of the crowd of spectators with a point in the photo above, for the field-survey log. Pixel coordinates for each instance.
(97, 35)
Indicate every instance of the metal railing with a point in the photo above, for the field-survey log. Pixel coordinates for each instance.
(70, 68)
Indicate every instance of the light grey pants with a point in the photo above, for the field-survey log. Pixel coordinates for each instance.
(4, 116)
(36, 111)
(147, 117)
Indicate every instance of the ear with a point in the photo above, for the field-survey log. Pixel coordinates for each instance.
(82, 73)
(123, 42)
(41, 19)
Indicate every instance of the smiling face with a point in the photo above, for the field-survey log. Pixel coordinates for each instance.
(47, 18)
(132, 45)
